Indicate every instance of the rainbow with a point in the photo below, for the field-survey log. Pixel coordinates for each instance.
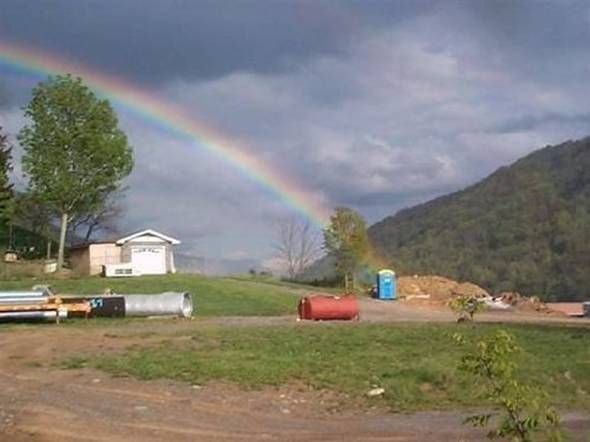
(175, 120)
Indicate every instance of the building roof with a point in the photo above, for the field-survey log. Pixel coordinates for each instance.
(127, 238)
(83, 245)
(147, 232)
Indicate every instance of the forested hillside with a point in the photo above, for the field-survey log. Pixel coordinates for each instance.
(526, 227)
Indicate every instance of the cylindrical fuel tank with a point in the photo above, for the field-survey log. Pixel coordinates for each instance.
(322, 307)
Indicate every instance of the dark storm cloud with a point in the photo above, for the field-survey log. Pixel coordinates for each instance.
(417, 109)
(544, 40)
(535, 30)
(153, 40)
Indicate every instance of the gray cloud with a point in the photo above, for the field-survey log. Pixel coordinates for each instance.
(402, 115)
(151, 40)
(531, 122)
(4, 100)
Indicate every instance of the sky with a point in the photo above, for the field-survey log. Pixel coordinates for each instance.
(375, 105)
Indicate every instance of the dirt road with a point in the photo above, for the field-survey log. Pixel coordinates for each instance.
(41, 402)
(373, 310)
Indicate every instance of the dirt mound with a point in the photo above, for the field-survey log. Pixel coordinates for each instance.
(433, 290)
(437, 289)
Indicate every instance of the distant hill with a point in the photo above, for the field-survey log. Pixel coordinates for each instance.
(526, 227)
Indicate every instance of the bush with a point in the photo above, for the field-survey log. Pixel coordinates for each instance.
(466, 307)
(524, 410)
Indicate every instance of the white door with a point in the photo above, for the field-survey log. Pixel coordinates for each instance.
(149, 260)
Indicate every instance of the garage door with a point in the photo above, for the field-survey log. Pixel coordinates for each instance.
(149, 260)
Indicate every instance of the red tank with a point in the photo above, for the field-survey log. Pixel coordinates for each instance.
(321, 307)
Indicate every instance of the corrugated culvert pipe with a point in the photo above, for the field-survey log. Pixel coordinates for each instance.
(168, 303)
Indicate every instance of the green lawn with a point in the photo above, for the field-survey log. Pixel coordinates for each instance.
(212, 296)
(415, 363)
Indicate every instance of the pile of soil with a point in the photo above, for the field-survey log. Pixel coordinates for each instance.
(433, 290)
(436, 289)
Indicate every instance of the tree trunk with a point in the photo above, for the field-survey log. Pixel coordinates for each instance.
(345, 282)
(88, 233)
(10, 236)
(62, 241)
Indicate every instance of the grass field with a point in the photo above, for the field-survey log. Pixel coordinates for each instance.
(212, 296)
(416, 364)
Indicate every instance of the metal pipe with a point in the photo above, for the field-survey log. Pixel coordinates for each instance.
(168, 303)
(33, 315)
(24, 300)
(17, 294)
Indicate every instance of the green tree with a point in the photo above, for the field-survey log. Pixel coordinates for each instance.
(346, 240)
(6, 191)
(466, 307)
(75, 155)
(523, 410)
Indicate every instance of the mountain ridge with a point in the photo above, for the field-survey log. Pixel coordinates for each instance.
(524, 227)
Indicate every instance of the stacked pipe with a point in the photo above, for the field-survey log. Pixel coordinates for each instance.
(36, 304)
(34, 297)
(43, 304)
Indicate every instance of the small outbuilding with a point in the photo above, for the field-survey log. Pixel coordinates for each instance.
(146, 252)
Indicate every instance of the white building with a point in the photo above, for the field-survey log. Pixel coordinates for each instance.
(142, 253)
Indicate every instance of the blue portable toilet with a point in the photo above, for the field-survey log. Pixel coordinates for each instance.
(386, 287)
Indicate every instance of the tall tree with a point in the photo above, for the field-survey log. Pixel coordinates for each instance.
(74, 152)
(297, 244)
(6, 191)
(345, 239)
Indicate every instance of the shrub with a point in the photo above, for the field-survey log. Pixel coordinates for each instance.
(523, 408)
(466, 307)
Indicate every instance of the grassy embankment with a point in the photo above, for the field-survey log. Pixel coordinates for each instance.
(415, 363)
(212, 296)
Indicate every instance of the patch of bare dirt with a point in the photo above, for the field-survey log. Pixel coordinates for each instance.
(527, 303)
(41, 402)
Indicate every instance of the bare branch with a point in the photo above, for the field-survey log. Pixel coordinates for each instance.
(103, 218)
(297, 244)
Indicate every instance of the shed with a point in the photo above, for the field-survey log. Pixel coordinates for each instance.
(147, 252)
